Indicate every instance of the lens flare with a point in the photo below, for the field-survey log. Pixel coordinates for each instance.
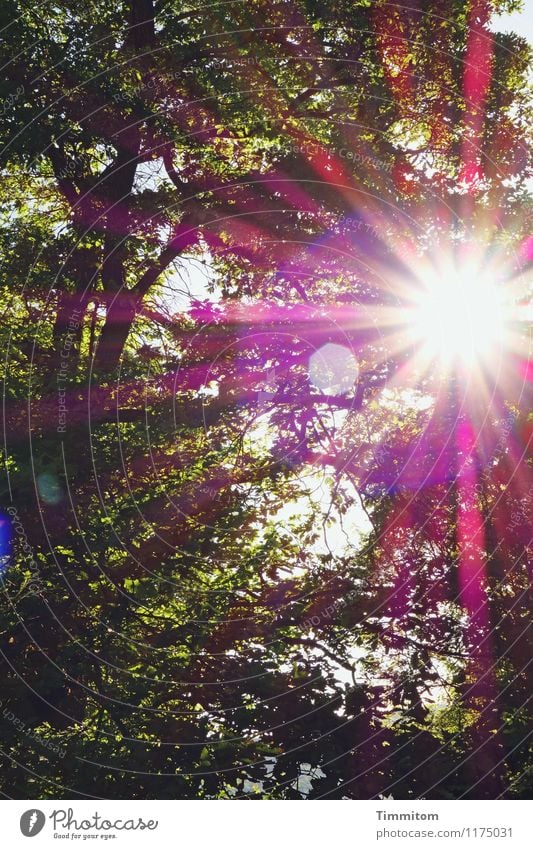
(459, 317)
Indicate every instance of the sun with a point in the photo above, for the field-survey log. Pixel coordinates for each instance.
(458, 317)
